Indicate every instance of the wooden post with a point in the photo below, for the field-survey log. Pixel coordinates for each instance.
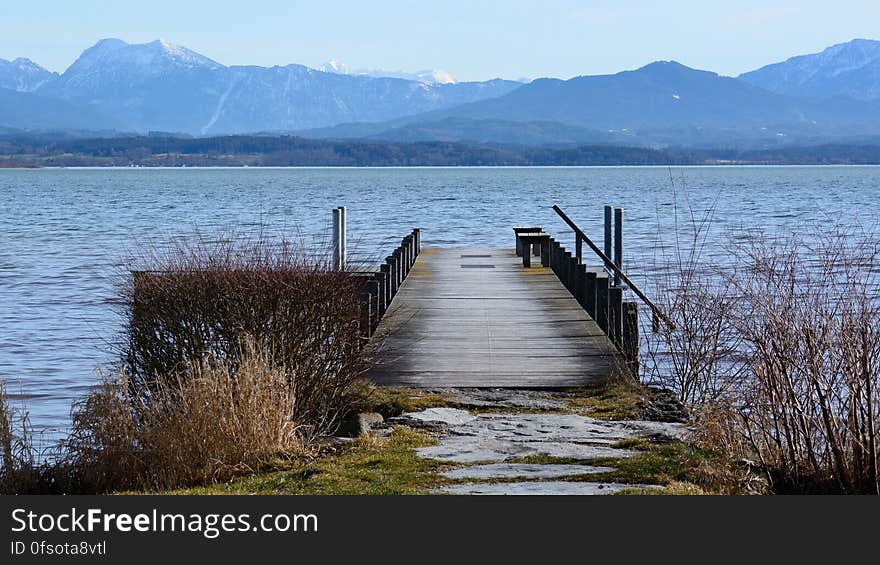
(393, 271)
(618, 243)
(398, 263)
(590, 293)
(417, 235)
(526, 256)
(404, 248)
(385, 270)
(336, 243)
(580, 280)
(579, 248)
(602, 302)
(630, 346)
(545, 254)
(373, 295)
(567, 260)
(573, 280)
(554, 256)
(615, 316)
(608, 221)
(381, 292)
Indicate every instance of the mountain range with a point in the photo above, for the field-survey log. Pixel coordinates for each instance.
(160, 86)
(430, 76)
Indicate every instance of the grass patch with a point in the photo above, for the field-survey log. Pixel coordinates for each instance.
(394, 401)
(369, 466)
(679, 467)
(634, 443)
(617, 400)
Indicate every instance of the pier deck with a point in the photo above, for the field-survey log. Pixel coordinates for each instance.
(477, 318)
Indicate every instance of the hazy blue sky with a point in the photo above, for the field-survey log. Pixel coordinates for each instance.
(472, 39)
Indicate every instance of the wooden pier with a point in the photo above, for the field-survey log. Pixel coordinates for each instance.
(478, 318)
(531, 316)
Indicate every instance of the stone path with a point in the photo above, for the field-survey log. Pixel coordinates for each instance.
(523, 471)
(540, 488)
(495, 439)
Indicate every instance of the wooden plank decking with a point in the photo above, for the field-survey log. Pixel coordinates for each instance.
(477, 318)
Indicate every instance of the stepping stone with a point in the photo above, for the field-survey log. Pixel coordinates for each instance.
(523, 470)
(484, 447)
(448, 416)
(540, 488)
(488, 438)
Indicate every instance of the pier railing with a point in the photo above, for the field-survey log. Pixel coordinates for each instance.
(378, 287)
(615, 266)
(598, 289)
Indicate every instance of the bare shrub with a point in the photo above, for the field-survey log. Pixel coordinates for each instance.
(218, 424)
(809, 316)
(778, 355)
(695, 354)
(203, 300)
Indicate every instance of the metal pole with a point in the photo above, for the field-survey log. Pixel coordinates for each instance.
(618, 244)
(337, 228)
(657, 312)
(343, 238)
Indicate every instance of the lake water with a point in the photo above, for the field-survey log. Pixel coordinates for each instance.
(64, 234)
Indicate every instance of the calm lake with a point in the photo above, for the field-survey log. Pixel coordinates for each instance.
(65, 235)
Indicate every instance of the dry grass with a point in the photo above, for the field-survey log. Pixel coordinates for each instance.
(20, 472)
(216, 426)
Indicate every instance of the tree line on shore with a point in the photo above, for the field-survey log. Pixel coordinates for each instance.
(23, 149)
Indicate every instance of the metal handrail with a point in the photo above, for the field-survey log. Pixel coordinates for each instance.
(617, 270)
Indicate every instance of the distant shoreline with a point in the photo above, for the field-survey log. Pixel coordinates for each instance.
(437, 167)
(32, 151)
(16, 165)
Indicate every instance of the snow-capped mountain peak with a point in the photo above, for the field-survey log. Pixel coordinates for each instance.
(334, 66)
(155, 57)
(435, 76)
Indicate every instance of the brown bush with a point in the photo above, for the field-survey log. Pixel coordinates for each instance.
(203, 300)
(778, 354)
(809, 407)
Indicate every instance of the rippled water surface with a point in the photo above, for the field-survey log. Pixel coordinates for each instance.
(65, 233)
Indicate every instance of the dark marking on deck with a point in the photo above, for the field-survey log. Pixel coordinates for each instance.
(505, 326)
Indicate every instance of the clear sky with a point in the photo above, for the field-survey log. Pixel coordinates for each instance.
(473, 39)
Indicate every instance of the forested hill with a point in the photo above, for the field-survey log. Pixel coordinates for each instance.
(20, 149)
